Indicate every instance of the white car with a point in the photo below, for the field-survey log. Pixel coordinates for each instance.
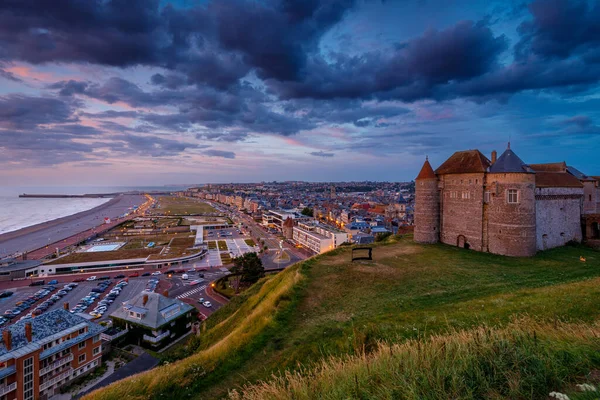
(184, 276)
(91, 278)
(156, 273)
(196, 281)
(207, 304)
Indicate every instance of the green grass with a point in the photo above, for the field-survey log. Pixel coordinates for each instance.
(250, 242)
(222, 245)
(212, 245)
(410, 292)
(182, 206)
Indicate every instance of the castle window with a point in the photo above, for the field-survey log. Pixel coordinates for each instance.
(512, 196)
(476, 181)
(466, 195)
(590, 197)
(486, 197)
(562, 234)
(470, 181)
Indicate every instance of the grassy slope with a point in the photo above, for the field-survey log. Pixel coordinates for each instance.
(409, 291)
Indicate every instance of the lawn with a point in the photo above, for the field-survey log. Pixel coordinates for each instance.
(250, 242)
(212, 245)
(183, 206)
(222, 245)
(409, 294)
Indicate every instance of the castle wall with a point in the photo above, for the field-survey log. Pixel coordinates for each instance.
(511, 228)
(427, 211)
(590, 197)
(462, 210)
(558, 216)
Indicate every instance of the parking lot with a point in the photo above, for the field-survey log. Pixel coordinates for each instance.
(135, 286)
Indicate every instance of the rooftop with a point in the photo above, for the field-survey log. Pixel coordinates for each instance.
(44, 327)
(464, 162)
(158, 310)
(509, 162)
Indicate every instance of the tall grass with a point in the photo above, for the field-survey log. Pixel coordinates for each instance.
(526, 359)
(234, 333)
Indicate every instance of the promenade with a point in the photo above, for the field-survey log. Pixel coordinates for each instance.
(42, 239)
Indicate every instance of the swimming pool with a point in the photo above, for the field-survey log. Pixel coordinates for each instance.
(104, 247)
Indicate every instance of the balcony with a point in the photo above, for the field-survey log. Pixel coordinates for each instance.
(45, 385)
(112, 334)
(56, 364)
(7, 388)
(156, 339)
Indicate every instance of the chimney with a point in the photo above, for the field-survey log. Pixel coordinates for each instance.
(28, 332)
(7, 337)
(166, 293)
(494, 156)
(145, 299)
(66, 305)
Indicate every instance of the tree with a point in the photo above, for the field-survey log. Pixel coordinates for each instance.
(249, 266)
(307, 211)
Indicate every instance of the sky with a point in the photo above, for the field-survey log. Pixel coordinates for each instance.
(149, 92)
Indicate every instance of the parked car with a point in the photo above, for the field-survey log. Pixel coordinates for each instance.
(6, 293)
(135, 275)
(201, 300)
(104, 278)
(37, 283)
(207, 304)
(146, 274)
(79, 280)
(170, 271)
(156, 273)
(91, 278)
(120, 276)
(53, 282)
(180, 271)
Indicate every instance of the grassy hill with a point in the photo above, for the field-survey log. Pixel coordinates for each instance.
(418, 322)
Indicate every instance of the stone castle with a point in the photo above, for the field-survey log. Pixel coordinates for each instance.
(504, 206)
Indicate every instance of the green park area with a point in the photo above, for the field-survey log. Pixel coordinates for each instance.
(171, 205)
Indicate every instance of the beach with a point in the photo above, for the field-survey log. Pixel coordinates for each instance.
(42, 234)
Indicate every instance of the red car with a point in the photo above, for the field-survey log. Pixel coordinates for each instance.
(134, 275)
(180, 271)
(79, 280)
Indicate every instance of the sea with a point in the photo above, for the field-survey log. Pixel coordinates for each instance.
(17, 213)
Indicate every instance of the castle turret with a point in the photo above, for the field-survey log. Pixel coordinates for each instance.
(510, 207)
(427, 206)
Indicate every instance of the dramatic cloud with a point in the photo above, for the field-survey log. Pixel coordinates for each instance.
(24, 112)
(220, 153)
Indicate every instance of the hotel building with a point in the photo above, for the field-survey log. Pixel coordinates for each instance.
(317, 237)
(39, 356)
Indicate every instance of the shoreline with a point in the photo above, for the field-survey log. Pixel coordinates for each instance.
(54, 222)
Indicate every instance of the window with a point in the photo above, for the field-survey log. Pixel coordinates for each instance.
(96, 350)
(486, 197)
(81, 345)
(82, 331)
(81, 358)
(28, 379)
(470, 181)
(512, 196)
(590, 197)
(466, 195)
(453, 195)
(96, 338)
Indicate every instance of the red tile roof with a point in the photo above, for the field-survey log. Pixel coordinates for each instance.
(549, 167)
(464, 162)
(426, 172)
(556, 179)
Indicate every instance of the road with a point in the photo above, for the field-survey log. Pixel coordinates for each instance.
(182, 290)
(47, 234)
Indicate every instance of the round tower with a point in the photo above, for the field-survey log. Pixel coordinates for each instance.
(427, 206)
(510, 207)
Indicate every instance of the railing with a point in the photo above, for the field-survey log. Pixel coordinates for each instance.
(8, 388)
(108, 338)
(56, 364)
(58, 378)
(153, 339)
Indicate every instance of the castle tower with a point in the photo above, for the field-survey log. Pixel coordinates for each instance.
(427, 206)
(288, 228)
(511, 207)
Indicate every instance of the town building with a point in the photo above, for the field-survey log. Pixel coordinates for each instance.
(153, 320)
(318, 237)
(503, 206)
(39, 356)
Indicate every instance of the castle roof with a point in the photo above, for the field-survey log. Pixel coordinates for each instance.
(549, 167)
(509, 162)
(426, 171)
(556, 179)
(579, 175)
(464, 162)
(155, 312)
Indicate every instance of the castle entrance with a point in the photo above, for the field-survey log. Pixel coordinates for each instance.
(461, 241)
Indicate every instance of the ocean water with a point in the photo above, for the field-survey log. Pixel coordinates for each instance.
(17, 213)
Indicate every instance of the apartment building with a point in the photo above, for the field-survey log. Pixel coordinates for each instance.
(318, 237)
(39, 356)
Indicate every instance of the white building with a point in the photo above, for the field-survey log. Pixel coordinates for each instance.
(317, 237)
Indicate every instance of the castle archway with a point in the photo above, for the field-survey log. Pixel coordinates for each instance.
(461, 241)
